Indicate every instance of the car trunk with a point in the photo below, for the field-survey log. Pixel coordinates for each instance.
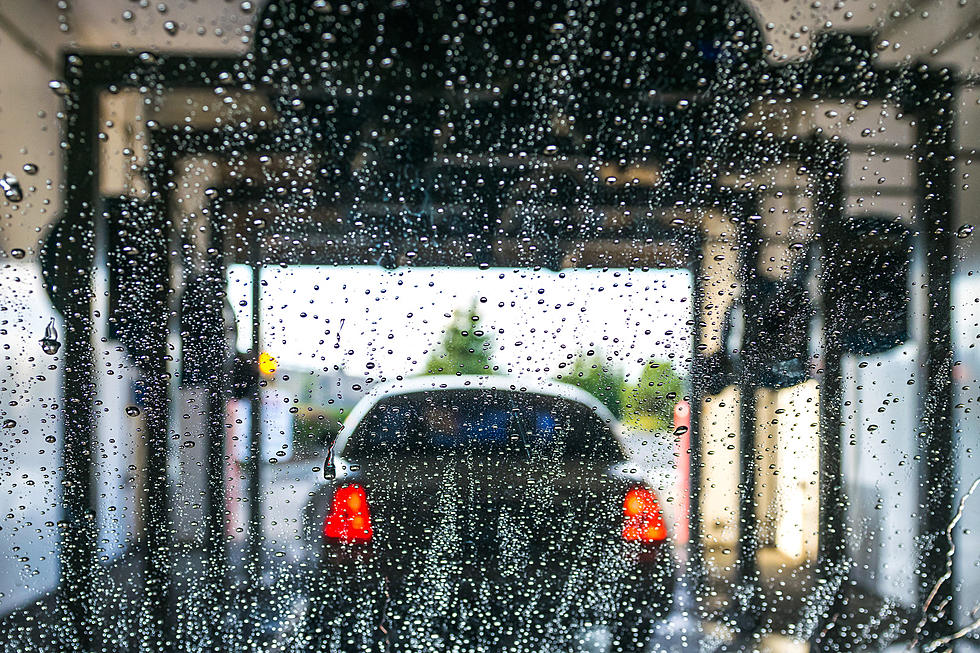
(492, 517)
(468, 542)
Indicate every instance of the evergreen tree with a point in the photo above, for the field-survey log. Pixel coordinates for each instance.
(465, 349)
(651, 401)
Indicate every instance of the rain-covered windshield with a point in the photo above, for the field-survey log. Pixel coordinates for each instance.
(517, 326)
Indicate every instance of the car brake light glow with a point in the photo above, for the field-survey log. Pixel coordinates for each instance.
(642, 519)
(350, 517)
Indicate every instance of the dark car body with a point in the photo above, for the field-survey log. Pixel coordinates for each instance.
(494, 521)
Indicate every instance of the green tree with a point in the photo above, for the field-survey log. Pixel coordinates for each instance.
(650, 402)
(465, 349)
(600, 377)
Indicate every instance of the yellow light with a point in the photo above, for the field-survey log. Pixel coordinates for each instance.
(268, 363)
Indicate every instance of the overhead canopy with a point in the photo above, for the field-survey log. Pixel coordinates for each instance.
(609, 48)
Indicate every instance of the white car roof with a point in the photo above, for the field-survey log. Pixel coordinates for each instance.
(546, 387)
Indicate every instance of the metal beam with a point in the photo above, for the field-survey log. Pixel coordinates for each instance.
(937, 488)
(831, 551)
(746, 564)
(254, 553)
(74, 272)
(217, 390)
(695, 553)
(150, 352)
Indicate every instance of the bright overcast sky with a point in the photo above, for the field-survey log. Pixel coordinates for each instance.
(392, 319)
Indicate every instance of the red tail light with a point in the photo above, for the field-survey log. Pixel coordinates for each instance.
(642, 519)
(350, 518)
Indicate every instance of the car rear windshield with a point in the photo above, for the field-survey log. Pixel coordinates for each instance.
(495, 422)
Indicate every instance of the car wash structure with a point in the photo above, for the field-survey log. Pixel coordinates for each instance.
(404, 134)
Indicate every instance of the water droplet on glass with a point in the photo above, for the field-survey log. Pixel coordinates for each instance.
(9, 423)
(30, 169)
(11, 188)
(49, 343)
(59, 87)
(132, 411)
(128, 15)
(170, 27)
(965, 231)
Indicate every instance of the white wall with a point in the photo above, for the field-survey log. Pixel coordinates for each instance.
(29, 458)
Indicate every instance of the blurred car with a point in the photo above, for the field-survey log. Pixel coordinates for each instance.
(483, 513)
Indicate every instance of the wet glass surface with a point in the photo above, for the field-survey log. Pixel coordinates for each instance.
(414, 325)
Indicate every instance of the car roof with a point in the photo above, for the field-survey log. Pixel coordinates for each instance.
(546, 387)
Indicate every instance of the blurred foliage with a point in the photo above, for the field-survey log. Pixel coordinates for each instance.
(646, 404)
(465, 349)
(600, 377)
(315, 430)
(649, 403)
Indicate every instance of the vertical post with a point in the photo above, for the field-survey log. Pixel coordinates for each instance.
(746, 570)
(204, 364)
(149, 347)
(76, 240)
(935, 189)
(156, 581)
(255, 424)
(695, 559)
(216, 551)
(831, 546)
(216, 403)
